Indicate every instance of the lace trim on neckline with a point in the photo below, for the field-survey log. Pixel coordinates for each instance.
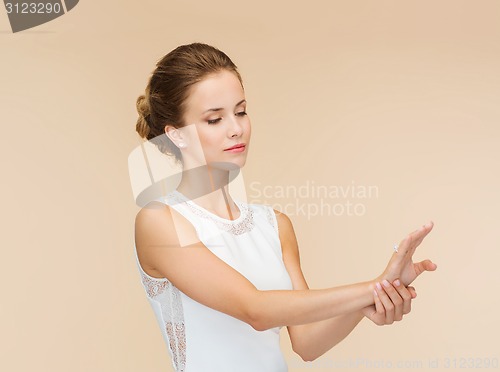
(244, 223)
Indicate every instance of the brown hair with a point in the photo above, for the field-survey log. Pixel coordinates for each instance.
(168, 88)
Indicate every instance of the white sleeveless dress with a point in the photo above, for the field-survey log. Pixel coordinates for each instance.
(200, 339)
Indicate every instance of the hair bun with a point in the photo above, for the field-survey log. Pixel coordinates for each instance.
(142, 127)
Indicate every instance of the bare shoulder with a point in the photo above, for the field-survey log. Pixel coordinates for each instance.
(158, 226)
(161, 224)
(285, 227)
(151, 211)
(149, 219)
(290, 250)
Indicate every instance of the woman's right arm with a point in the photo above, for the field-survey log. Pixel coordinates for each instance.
(168, 242)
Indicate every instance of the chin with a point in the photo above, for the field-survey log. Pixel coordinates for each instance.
(226, 165)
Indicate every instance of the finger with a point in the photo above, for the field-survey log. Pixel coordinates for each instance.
(425, 265)
(396, 299)
(412, 291)
(416, 237)
(408, 244)
(404, 245)
(424, 231)
(386, 302)
(405, 295)
(379, 308)
(420, 234)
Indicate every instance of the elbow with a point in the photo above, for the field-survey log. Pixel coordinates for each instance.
(306, 348)
(258, 326)
(257, 322)
(309, 352)
(305, 355)
(308, 358)
(257, 318)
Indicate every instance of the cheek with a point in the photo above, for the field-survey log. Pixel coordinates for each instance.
(209, 139)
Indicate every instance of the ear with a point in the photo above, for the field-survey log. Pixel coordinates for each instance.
(173, 133)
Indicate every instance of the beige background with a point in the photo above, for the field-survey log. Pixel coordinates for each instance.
(400, 95)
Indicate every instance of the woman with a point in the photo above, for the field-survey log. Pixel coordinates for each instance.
(224, 276)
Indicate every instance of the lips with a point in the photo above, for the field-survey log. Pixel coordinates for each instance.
(236, 146)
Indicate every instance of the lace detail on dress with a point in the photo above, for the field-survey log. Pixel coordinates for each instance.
(236, 228)
(173, 315)
(175, 327)
(154, 287)
(176, 333)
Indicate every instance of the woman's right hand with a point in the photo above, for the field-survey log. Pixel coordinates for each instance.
(392, 301)
(401, 264)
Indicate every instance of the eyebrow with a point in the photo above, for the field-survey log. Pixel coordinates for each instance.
(221, 108)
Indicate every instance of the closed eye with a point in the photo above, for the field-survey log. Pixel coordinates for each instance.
(241, 113)
(214, 121)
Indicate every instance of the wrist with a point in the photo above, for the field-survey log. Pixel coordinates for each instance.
(378, 279)
(371, 289)
(372, 283)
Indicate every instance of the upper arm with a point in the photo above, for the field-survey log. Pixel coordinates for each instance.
(291, 259)
(168, 242)
(290, 250)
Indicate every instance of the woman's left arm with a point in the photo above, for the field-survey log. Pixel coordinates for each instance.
(312, 340)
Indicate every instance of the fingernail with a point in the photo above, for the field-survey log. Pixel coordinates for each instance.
(397, 283)
(386, 283)
(374, 291)
(378, 286)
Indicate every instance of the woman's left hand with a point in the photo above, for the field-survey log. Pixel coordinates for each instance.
(401, 265)
(392, 301)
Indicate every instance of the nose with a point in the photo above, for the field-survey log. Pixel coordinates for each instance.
(235, 128)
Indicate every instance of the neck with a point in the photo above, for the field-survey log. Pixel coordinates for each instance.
(210, 187)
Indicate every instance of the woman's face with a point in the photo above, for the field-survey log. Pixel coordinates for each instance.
(216, 107)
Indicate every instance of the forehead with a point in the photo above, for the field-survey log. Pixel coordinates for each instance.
(222, 89)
